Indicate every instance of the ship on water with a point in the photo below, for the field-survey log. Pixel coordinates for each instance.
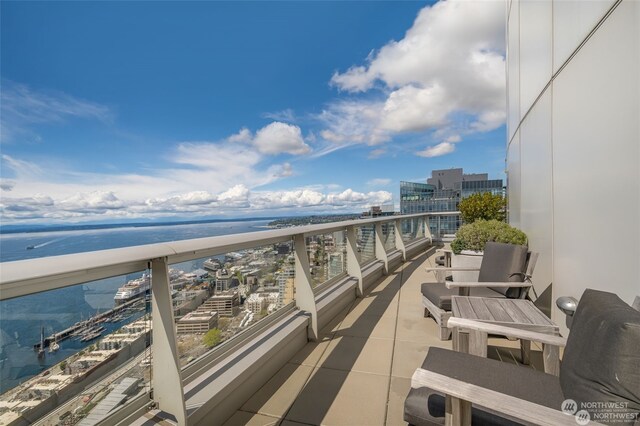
(133, 289)
(141, 286)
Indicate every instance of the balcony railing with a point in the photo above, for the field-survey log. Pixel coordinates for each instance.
(326, 260)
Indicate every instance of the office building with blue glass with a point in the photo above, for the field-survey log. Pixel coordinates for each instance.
(443, 192)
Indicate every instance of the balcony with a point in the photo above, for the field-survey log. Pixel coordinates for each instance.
(342, 352)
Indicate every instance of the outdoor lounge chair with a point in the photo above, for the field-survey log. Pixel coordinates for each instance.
(504, 272)
(599, 378)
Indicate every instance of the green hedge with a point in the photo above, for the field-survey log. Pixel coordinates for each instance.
(483, 205)
(474, 236)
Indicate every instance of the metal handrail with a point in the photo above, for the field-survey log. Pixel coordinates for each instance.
(24, 277)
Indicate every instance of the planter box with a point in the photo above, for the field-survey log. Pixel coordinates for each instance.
(466, 259)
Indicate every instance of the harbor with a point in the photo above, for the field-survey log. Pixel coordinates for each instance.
(90, 327)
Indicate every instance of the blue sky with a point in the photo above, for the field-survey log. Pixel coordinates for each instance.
(115, 111)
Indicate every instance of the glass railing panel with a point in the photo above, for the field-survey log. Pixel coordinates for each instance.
(327, 256)
(420, 232)
(218, 297)
(366, 243)
(441, 225)
(78, 343)
(410, 229)
(389, 236)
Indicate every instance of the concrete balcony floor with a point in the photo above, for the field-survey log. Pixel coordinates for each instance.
(359, 371)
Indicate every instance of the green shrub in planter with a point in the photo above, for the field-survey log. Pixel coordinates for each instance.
(483, 205)
(474, 236)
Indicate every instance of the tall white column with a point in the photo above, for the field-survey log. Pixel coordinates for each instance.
(166, 379)
(353, 265)
(305, 299)
(381, 252)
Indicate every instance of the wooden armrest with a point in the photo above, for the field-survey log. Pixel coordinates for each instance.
(443, 269)
(456, 284)
(509, 405)
(547, 339)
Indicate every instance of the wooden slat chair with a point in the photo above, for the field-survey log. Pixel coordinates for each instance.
(504, 272)
(600, 366)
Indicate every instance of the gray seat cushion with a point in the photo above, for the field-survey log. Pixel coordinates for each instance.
(424, 407)
(440, 295)
(500, 262)
(601, 362)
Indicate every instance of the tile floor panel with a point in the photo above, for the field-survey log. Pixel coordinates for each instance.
(360, 354)
(275, 397)
(335, 397)
(312, 352)
(251, 419)
(398, 391)
(367, 326)
(371, 305)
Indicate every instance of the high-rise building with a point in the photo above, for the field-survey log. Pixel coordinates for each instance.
(223, 280)
(442, 193)
(286, 285)
(225, 304)
(366, 241)
(198, 322)
(335, 264)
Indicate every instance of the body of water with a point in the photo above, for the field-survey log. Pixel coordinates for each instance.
(21, 319)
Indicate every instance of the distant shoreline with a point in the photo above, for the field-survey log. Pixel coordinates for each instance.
(276, 221)
(28, 229)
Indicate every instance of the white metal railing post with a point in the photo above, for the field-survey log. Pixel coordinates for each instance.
(399, 241)
(305, 299)
(353, 266)
(166, 380)
(381, 252)
(427, 229)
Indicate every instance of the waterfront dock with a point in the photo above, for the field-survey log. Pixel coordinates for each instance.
(68, 332)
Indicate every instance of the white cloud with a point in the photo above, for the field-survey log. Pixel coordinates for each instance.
(22, 107)
(277, 138)
(412, 108)
(6, 185)
(284, 115)
(244, 136)
(355, 79)
(195, 198)
(437, 150)
(353, 122)
(236, 196)
(234, 200)
(450, 63)
(282, 170)
(309, 198)
(377, 153)
(274, 138)
(214, 156)
(93, 201)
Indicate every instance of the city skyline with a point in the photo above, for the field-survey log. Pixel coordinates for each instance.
(119, 111)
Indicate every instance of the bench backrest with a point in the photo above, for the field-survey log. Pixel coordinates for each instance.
(499, 264)
(601, 361)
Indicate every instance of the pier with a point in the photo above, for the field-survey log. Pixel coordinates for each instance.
(66, 333)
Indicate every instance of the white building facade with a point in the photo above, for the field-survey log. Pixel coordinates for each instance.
(573, 157)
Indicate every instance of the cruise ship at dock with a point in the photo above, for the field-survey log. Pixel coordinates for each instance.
(141, 286)
(134, 288)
